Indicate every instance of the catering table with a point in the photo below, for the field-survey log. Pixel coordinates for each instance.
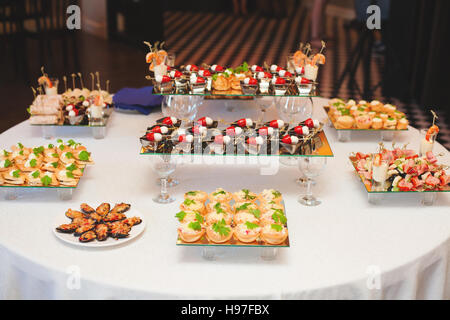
(346, 248)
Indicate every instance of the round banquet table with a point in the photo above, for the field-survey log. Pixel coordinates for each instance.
(346, 248)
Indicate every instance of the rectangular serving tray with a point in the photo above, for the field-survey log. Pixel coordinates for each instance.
(233, 242)
(356, 129)
(353, 161)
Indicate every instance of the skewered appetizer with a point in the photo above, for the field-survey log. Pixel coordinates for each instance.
(364, 115)
(47, 166)
(245, 223)
(100, 223)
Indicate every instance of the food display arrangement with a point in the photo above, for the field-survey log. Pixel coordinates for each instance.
(244, 80)
(99, 224)
(241, 137)
(242, 218)
(74, 107)
(400, 170)
(362, 115)
(60, 165)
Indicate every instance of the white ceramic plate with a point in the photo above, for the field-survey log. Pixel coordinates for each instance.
(71, 239)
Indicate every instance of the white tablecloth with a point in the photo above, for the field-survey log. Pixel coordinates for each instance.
(345, 248)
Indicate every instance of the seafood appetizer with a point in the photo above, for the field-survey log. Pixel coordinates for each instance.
(53, 165)
(243, 136)
(401, 170)
(364, 115)
(75, 106)
(233, 218)
(90, 224)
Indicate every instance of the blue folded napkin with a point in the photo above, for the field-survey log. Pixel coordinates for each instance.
(140, 99)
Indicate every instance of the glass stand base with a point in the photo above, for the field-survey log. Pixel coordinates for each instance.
(387, 135)
(269, 253)
(164, 199)
(309, 201)
(212, 253)
(344, 135)
(9, 193)
(17, 193)
(428, 198)
(48, 132)
(65, 194)
(375, 198)
(99, 132)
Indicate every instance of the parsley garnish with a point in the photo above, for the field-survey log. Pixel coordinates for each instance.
(243, 207)
(69, 155)
(33, 163)
(279, 218)
(195, 226)
(180, 215)
(16, 174)
(20, 145)
(199, 217)
(247, 195)
(219, 192)
(59, 141)
(251, 225)
(62, 147)
(83, 156)
(71, 167)
(7, 163)
(188, 202)
(46, 180)
(21, 152)
(55, 155)
(191, 193)
(50, 146)
(39, 150)
(5, 153)
(35, 174)
(255, 212)
(276, 227)
(55, 164)
(221, 228)
(71, 143)
(276, 194)
(69, 174)
(218, 207)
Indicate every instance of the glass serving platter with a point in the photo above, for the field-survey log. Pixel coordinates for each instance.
(318, 147)
(327, 109)
(354, 160)
(234, 242)
(291, 92)
(103, 123)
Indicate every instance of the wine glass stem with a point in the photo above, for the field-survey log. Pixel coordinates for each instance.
(309, 193)
(163, 187)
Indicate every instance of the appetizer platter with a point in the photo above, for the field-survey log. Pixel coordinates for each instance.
(362, 115)
(406, 171)
(100, 227)
(58, 165)
(244, 81)
(79, 107)
(207, 136)
(243, 219)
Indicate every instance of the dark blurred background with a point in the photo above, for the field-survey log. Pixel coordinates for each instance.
(404, 63)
